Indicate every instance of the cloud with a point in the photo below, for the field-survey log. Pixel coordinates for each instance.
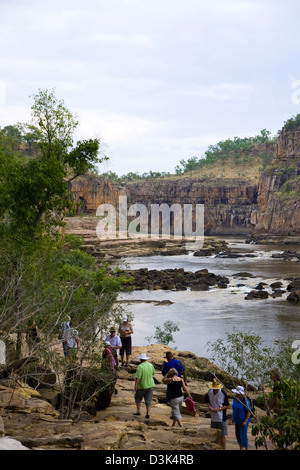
(159, 80)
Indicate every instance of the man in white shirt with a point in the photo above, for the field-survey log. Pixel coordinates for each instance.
(71, 339)
(115, 342)
(218, 403)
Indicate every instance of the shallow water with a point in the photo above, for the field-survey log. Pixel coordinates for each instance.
(205, 316)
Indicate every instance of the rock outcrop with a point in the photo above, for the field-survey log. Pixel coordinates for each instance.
(279, 189)
(29, 420)
(228, 204)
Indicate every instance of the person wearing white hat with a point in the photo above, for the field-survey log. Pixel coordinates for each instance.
(144, 384)
(241, 408)
(125, 332)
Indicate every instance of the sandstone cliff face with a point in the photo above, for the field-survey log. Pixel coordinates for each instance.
(90, 191)
(231, 206)
(278, 189)
(228, 204)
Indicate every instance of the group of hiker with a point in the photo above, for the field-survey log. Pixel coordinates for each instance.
(119, 347)
(174, 376)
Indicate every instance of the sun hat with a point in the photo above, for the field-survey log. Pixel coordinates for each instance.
(215, 384)
(143, 356)
(239, 390)
(125, 318)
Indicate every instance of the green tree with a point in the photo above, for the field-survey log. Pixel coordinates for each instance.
(244, 355)
(35, 193)
(282, 426)
(164, 334)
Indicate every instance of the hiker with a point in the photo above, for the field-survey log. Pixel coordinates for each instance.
(125, 332)
(218, 403)
(144, 384)
(72, 341)
(62, 334)
(114, 340)
(109, 356)
(170, 364)
(176, 384)
(241, 408)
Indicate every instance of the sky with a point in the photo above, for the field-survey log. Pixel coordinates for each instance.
(155, 81)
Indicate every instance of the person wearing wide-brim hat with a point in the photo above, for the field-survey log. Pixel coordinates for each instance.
(218, 403)
(241, 408)
(115, 342)
(144, 384)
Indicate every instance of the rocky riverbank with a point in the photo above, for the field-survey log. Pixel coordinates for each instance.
(29, 418)
(114, 249)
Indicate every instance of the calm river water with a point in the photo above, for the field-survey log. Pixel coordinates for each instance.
(204, 316)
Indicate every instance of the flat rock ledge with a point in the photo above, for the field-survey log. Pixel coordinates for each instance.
(28, 421)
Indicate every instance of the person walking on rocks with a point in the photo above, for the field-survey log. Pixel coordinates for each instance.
(71, 339)
(144, 385)
(176, 385)
(241, 408)
(64, 327)
(218, 403)
(171, 363)
(125, 332)
(115, 342)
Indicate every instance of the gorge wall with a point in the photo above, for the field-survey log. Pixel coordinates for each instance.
(232, 206)
(228, 204)
(279, 189)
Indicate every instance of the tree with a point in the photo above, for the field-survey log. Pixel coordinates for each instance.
(244, 355)
(44, 276)
(36, 194)
(164, 334)
(282, 426)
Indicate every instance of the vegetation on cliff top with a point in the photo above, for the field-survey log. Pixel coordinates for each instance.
(232, 158)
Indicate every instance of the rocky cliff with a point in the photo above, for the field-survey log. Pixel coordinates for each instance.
(228, 203)
(278, 189)
(232, 206)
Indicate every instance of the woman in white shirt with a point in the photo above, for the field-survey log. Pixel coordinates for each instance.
(125, 332)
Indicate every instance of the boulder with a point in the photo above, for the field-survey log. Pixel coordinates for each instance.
(257, 294)
(294, 296)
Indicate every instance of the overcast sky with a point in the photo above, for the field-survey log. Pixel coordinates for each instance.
(156, 81)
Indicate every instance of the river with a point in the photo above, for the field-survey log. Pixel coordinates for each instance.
(206, 316)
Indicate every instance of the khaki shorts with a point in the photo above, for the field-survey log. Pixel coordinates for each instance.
(146, 393)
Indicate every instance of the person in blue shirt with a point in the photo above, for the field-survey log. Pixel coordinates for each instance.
(173, 363)
(241, 409)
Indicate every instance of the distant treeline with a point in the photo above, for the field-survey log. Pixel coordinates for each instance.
(237, 149)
